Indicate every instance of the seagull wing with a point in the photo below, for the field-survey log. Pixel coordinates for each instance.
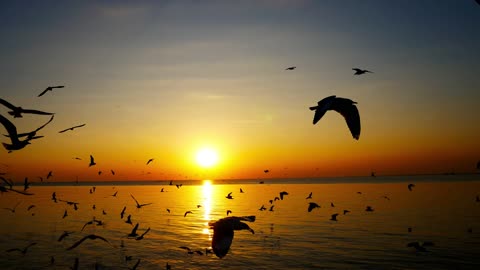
(350, 112)
(134, 230)
(7, 104)
(323, 106)
(11, 129)
(76, 244)
(135, 200)
(44, 91)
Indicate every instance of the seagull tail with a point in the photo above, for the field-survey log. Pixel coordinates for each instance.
(313, 108)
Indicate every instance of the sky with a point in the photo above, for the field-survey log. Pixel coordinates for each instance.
(164, 79)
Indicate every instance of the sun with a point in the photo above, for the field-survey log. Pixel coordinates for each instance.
(207, 157)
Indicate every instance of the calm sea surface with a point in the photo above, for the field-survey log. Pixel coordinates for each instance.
(444, 212)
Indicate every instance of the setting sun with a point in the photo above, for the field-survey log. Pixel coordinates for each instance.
(207, 157)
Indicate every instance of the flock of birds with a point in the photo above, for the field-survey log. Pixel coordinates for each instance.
(223, 229)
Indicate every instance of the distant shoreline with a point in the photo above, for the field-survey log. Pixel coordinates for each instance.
(304, 180)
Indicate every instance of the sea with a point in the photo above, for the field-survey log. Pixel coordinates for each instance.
(442, 210)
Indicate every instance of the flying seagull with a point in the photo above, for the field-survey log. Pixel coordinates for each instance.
(143, 234)
(23, 251)
(139, 205)
(92, 161)
(290, 68)
(309, 196)
(410, 186)
(223, 231)
(50, 88)
(334, 217)
(50, 174)
(64, 234)
(343, 106)
(359, 71)
(134, 231)
(16, 112)
(91, 237)
(33, 134)
(312, 206)
(71, 128)
(150, 160)
(13, 135)
(283, 193)
(420, 246)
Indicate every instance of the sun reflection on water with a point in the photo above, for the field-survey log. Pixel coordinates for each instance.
(207, 206)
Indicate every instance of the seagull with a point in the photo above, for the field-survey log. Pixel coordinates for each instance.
(129, 220)
(229, 212)
(271, 208)
(99, 172)
(23, 251)
(16, 112)
(134, 231)
(346, 211)
(334, 217)
(343, 106)
(50, 174)
(332, 205)
(150, 160)
(262, 208)
(223, 232)
(419, 246)
(141, 236)
(30, 207)
(369, 209)
(54, 197)
(186, 213)
(360, 71)
(168, 210)
(309, 196)
(50, 88)
(283, 193)
(13, 135)
(312, 206)
(92, 162)
(410, 186)
(290, 68)
(241, 190)
(91, 237)
(229, 196)
(26, 184)
(64, 234)
(266, 171)
(71, 128)
(33, 134)
(12, 209)
(386, 198)
(113, 172)
(139, 205)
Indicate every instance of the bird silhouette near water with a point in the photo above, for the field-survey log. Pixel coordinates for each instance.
(91, 237)
(345, 107)
(15, 144)
(223, 232)
(23, 251)
(312, 206)
(138, 204)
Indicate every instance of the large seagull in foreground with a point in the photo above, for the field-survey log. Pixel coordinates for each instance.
(345, 107)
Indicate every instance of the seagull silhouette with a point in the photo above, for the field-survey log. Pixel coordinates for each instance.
(420, 246)
(91, 237)
(223, 232)
(129, 220)
(50, 174)
(23, 251)
(241, 190)
(64, 234)
(309, 196)
(30, 207)
(343, 106)
(262, 208)
(71, 128)
(150, 160)
(359, 71)
(312, 206)
(139, 205)
(65, 214)
(186, 213)
(16, 112)
(50, 88)
(283, 193)
(134, 231)
(26, 184)
(369, 209)
(410, 186)
(229, 212)
(229, 196)
(143, 234)
(290, 68)
(13, 135)
(92, 161)
(334, 217)
(12, 209)
(33, 134)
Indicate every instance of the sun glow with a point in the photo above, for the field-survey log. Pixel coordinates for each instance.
(207, 157)
(207, 205)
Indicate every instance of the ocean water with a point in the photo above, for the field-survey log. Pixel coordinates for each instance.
(444, 212)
